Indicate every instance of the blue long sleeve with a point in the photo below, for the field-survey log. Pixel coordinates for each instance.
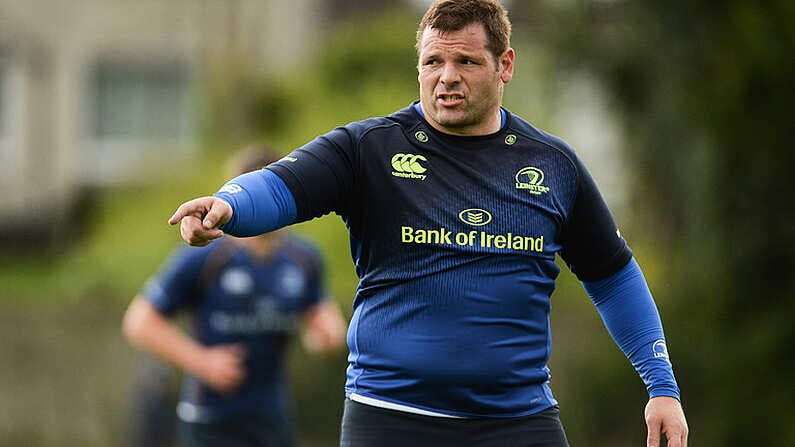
(260, 201)
(628, 310)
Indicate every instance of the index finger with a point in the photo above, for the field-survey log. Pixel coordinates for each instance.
(178, 215)
(191, 207)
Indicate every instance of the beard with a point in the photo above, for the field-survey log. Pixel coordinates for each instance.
(463, 117)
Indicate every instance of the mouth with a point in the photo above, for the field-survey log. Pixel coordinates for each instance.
(450, 99)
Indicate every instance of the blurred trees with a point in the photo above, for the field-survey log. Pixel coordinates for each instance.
(705, 91)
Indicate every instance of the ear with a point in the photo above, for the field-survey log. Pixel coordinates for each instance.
(506, 65)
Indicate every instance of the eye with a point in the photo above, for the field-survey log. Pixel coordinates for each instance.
(431, 62)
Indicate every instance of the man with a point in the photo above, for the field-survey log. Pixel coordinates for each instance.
(456, 209)
(245, 298)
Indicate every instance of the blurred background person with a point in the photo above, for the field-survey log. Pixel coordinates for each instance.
(245, 297)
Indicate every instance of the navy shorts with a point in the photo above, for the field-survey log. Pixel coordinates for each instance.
(368, 426)
(237, 433)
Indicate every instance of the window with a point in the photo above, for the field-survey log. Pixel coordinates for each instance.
(144, 102)
(141, 103)
(137, 112)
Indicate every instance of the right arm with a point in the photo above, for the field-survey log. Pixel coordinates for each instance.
(248, 205)
(221, 367)
(312, 181)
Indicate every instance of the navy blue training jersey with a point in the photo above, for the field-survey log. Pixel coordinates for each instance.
(454, 241)
(233, 297)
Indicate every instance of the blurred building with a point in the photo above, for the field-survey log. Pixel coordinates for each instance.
(96, 93)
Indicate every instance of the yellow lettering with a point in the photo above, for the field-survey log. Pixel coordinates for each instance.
(539, 244)
(444, 236)
(421, 236)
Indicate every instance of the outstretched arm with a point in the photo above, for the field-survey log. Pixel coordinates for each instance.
(248, 205)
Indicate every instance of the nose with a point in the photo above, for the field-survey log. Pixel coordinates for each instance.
(449, 75)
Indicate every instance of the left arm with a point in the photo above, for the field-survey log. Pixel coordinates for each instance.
(595, 251)
(630, 315)
(627, 308)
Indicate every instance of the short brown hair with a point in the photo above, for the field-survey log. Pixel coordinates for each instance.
(454, 15)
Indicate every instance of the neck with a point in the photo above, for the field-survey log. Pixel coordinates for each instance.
(263, 245)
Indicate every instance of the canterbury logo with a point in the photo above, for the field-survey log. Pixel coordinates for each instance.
(475, 217)
(531, 178)
(409, 166)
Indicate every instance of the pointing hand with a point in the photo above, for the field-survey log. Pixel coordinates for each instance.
(200, 219)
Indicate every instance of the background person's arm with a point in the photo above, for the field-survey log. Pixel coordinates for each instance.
(221, 367)
(324, 328)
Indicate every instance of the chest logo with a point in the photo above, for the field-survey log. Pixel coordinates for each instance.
(237, 281)
(421, 136)
(475, 217)
(531, 179)
(409, 166)
(291, 281)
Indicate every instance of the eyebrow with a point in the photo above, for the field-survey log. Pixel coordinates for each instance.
(455, 54)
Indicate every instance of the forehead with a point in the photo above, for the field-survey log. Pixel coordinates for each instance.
(469, 39)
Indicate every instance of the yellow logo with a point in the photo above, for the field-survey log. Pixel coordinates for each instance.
(472, 238)
(409, 166)
(475, 217)
(530, 178)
